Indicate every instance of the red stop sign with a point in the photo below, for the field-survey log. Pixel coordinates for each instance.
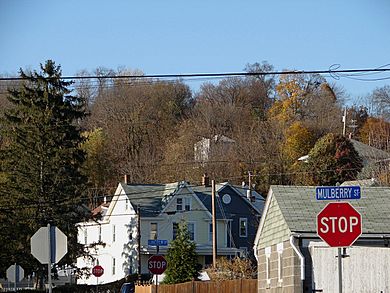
(157, 264)
(98, 271)
(339, 224)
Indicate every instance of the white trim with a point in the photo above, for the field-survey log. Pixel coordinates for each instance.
(300, 255)
(279, 249)
(190, 194)
(262, 220)
(267, 251)
(245, 220)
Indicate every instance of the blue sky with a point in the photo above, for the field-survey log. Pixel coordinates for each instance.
(168, 37)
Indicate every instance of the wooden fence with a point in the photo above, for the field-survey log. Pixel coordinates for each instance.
(228, 286)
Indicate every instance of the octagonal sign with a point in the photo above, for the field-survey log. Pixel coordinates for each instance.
(339, 224)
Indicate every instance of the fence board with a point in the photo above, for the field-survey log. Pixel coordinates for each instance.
(227, 286)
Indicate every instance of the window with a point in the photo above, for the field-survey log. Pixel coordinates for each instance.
(187, 204)
(127, 204)
(243, 227)
(113, 266)
(244, 251)
(85, 236)
(179, 204)
(100, 233)
(268, 265)
(153, 231)
(210, 232)
(279, 248)
(113, 233)
(175, 226)
(191, 230)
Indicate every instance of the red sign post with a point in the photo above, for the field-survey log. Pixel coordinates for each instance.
(157, 264)
(339, 224)
(97, 271)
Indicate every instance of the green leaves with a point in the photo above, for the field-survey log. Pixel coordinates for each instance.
(182, 258)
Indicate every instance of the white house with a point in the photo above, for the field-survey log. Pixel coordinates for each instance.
(113, 240)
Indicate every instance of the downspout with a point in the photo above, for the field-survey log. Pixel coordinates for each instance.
(301, 257)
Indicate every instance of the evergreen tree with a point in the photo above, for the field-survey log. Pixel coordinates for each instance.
(182, 258)
(333, 159)
(40, 163)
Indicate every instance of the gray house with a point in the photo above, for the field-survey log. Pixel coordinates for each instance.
(292, 258)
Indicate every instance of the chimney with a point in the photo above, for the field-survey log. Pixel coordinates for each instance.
(243, 184)
(205, 180)
(126, 179)
(350, 135)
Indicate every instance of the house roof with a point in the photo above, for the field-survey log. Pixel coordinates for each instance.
(369, 153)
(204, 194)
(299, 208)
(150, 197)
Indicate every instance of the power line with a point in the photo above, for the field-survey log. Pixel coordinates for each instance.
(205, 75)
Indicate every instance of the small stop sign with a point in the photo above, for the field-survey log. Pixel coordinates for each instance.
(97, 271)
(339, 224)
(157, 264)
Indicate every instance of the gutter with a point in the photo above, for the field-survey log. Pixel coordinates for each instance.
(300, 255)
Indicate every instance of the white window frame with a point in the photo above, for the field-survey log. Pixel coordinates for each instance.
(279, 249)
(210, 232)
(267, 251)
(187, 203)
(153, 233)
(243, 220)
(194, 225)
(173, 230)
(179, 204)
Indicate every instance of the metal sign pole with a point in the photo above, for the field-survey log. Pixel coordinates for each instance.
(156, 283)
(97, 284)
(49, 258)
(340, 270)
(16, 276)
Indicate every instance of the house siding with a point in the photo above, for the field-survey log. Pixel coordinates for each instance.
(275, 228)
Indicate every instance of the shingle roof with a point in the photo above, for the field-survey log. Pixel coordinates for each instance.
(369, 153)
(300, 208)
(151, 197)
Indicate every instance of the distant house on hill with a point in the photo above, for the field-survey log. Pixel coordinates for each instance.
(153, 211)
(208, 148)
(292, 258)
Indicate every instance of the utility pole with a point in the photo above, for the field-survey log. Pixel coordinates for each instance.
(344, 120)
(214, 226)
(250, 185)
(139, 241)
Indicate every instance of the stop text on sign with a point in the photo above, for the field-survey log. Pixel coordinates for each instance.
(157, 264)
(338, 224)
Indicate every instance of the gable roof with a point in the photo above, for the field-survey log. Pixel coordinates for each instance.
(294, 209)
(152, 198)
(204, 194)
(369, 153)
(300, 208)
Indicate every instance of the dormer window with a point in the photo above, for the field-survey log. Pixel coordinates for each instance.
(187, 204)
(179, 204)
